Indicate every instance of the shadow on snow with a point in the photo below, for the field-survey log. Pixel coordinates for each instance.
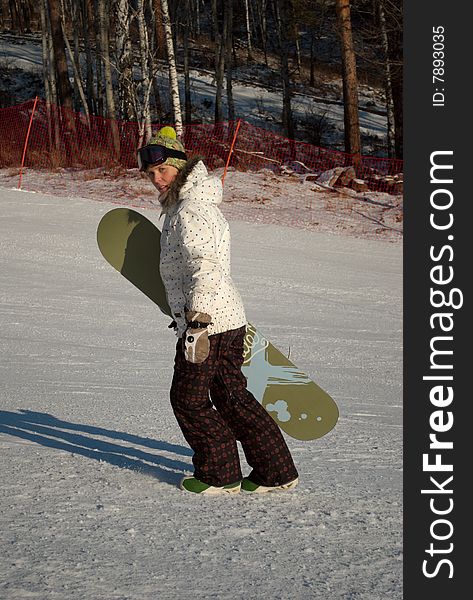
(76, 438)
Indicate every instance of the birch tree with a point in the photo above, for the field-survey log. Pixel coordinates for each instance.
(381, 29)
(249, 48)
(126, 92)
(88, 34)
(49, 79)
(75, 69)
(104, 24)
(45, 45)
(387, 78)
(101, 101)
(153, 56)
(103, 7)
(394, 27)
(145, 124)
(173, 81)
(77, 19)
(187, 86)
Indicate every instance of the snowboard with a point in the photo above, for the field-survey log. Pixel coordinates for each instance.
(130, 243)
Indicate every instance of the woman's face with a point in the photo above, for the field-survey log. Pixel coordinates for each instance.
(162, 176)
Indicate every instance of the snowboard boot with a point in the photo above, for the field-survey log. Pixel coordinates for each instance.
(194, 485)
(249, 487)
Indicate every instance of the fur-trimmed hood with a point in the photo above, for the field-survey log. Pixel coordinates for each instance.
(193, 181)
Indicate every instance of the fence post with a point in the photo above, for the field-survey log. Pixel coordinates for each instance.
(231, 150)
(26, 141)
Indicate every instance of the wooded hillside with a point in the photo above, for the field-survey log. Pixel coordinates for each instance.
(102, 57)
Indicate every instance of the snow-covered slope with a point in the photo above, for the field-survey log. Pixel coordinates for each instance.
(91, 456)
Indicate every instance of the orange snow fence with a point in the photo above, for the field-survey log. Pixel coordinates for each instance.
(25, 147)
(62, 138)
(67, 142)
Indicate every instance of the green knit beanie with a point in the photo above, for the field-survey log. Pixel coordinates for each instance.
(167, 137)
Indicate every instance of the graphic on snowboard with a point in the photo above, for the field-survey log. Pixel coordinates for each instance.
(131, 244)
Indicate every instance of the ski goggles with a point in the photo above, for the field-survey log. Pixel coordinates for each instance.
(154, 155)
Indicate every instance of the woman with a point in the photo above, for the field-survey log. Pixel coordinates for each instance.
(208, 392)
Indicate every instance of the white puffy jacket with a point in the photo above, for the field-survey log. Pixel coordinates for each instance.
(195, 252)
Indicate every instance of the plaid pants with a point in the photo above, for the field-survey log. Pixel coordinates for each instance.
(214, 410)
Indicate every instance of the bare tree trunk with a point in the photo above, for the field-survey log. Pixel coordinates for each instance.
(295, 31)
(45, 52)
(77, 77)
(48, 75)
(397, 86)
(387, 80)
(197, 18)
(395, 48)
(51, 61)
(145, 125)
(76, 19)
(249, 49)
(16, 16)
(261, 7)
(350, 81)
(187, 87)
(70, 154)
(219, 63)
(32, 18)
(64, 87)
(228, 34)
(159, 28)
(281, 13)
(6, 15)
(126, 92)
(88, 36)
(173, 81)
(101, 100)
(312, 60)
(152, 59)
(104, 10)
(104, 23)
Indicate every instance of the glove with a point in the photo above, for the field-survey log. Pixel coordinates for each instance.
(179, 324)
(196, 337)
